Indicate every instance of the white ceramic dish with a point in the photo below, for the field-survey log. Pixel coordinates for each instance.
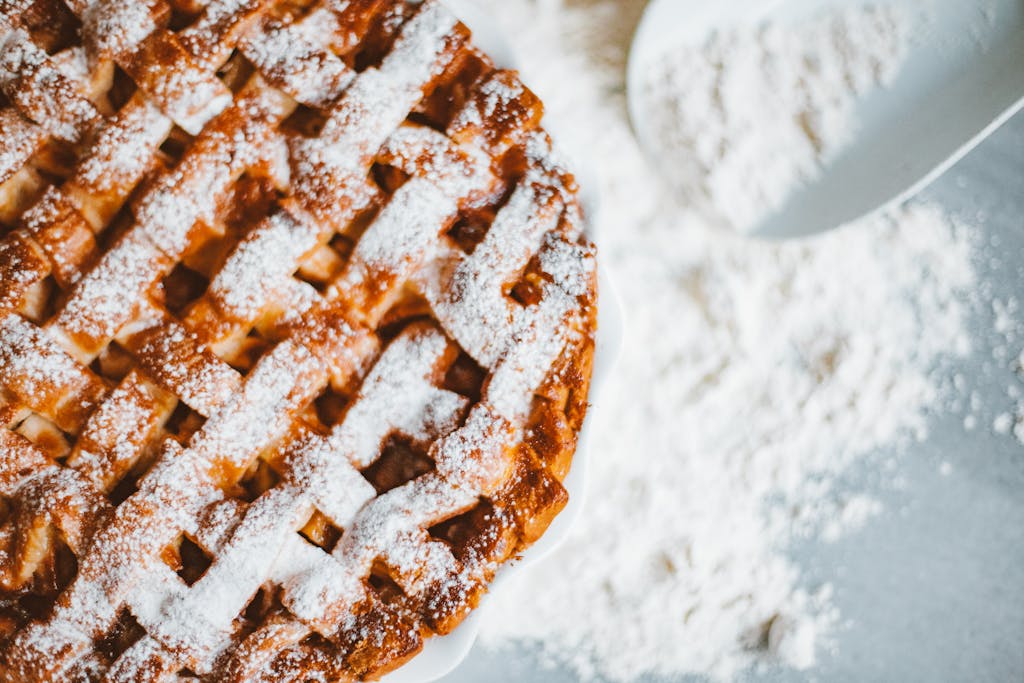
(962, 79)
(441, 655)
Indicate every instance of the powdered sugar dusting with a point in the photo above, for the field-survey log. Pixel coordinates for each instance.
(34, 368)
(98, 307)
(176, 358)
(400, 238)
(184, 196)
(470, 301)
(34, 83)
(115, 29)
(118, 432)
(379, 99)
(294, 60)
(475, 458)
(260, 263)
(207, 38)
(21, 138)
(123, 150)
(191, 97)
(239, 458)
(398, 398)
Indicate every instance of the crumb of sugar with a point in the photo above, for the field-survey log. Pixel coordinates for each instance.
(118, 27)
(1003, 423)
(853, 514)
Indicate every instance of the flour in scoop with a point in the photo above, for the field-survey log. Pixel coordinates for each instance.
(745, 117)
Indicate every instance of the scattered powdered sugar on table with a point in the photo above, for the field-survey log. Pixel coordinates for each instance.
(751, 113)
(1009, 328)
(1006, 417)
(754, 376)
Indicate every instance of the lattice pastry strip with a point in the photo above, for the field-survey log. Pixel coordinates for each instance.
(281, 321)
(178, 360)
(294, 58)
(121, 154)
(30, 79)
(22, 139)
(253, 276)
(43, 377)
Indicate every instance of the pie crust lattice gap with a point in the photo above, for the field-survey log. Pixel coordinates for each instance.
(296, 329)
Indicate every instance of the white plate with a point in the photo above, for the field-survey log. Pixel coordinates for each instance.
(442, 654)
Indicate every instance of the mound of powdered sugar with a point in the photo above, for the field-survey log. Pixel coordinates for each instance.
(753, 112)
(754, 375)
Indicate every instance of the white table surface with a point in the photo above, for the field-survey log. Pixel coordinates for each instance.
(933, 589)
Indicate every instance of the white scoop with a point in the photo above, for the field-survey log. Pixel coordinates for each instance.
(963, 78)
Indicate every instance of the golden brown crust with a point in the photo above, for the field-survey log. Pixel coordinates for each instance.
(296, 330)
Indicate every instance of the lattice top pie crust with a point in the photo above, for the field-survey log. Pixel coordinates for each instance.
(296, 327)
